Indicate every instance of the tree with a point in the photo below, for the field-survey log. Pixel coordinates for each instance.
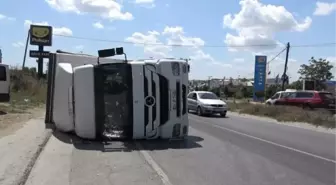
(204, 88)
(319, 70)
(216, 91)
(247, 92)
(226, 91)
(230, 81)
(296, 85)
(271, 90)
(244, 80)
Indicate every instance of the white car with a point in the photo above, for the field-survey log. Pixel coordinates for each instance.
(4, 83)
(204, 102)
(278, 95)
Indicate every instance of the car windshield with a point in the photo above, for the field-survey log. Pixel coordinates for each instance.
(207, 96)
(275, 96)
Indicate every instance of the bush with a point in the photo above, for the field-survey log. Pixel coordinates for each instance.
(27, 90)
(286, 113)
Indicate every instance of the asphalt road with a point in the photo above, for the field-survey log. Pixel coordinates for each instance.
(219, 151)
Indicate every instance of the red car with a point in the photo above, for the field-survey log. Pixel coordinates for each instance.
(309, 99)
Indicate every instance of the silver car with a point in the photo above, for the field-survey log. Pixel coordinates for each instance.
(204, 102)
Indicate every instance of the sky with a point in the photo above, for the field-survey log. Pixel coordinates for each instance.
(220, 37)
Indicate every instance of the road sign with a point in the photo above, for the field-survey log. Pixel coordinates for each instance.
(39, 54)
(40, 35)
(259, 78)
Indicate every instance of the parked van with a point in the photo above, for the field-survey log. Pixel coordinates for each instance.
(4, 83)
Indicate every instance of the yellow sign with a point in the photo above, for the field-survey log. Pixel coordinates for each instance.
(40, 35)
(40, 32)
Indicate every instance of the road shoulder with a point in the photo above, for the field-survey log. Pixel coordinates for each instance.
(68, 160)
(19, 151)
(293, 124)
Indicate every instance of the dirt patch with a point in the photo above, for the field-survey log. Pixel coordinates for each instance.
(10, 121)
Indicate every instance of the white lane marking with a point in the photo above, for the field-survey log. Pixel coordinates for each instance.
(163, 176)
(270, 142)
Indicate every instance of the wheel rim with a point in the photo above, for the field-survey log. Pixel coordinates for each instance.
(198, 111)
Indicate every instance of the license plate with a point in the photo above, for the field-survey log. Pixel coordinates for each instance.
(218, 109)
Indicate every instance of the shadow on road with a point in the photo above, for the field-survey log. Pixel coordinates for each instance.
(127, 145)
(210, 115)
(2, 112)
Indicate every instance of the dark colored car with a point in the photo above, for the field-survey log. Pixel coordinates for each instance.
(309, 99)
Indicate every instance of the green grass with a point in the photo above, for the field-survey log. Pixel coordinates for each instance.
(27, 92)
(286, 113)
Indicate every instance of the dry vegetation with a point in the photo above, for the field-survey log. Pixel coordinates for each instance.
(286, 113)
(28, 95)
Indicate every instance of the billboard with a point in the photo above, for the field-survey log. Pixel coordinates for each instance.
(40, 35)
(259, 78)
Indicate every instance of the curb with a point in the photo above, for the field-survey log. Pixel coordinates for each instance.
(32, 161)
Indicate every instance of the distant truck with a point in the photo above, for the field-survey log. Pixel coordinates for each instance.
(4, 83)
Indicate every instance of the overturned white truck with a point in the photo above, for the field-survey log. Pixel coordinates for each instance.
(113, 98)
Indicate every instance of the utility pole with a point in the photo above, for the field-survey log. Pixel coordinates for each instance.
(0, 56)
(285, 69)
(209, 78)
(26, 48)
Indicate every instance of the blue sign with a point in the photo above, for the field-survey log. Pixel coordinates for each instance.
(259, 78)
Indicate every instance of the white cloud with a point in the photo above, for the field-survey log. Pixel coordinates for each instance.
(256, 24)
(98, 25)
(199, 55)
(145, 3)
(153, 47)
(323, 8)
(79, 47)
(18, 44)
(177, 37)
(174, 37)
(277, 67)
(27, 23)
(108, 9)
(56, 30)
(62, 31)
(4, 17)
(239, 60)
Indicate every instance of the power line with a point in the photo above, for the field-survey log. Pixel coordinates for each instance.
(314, 45)
(277, 55)
(185, 45)
(162, 44)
